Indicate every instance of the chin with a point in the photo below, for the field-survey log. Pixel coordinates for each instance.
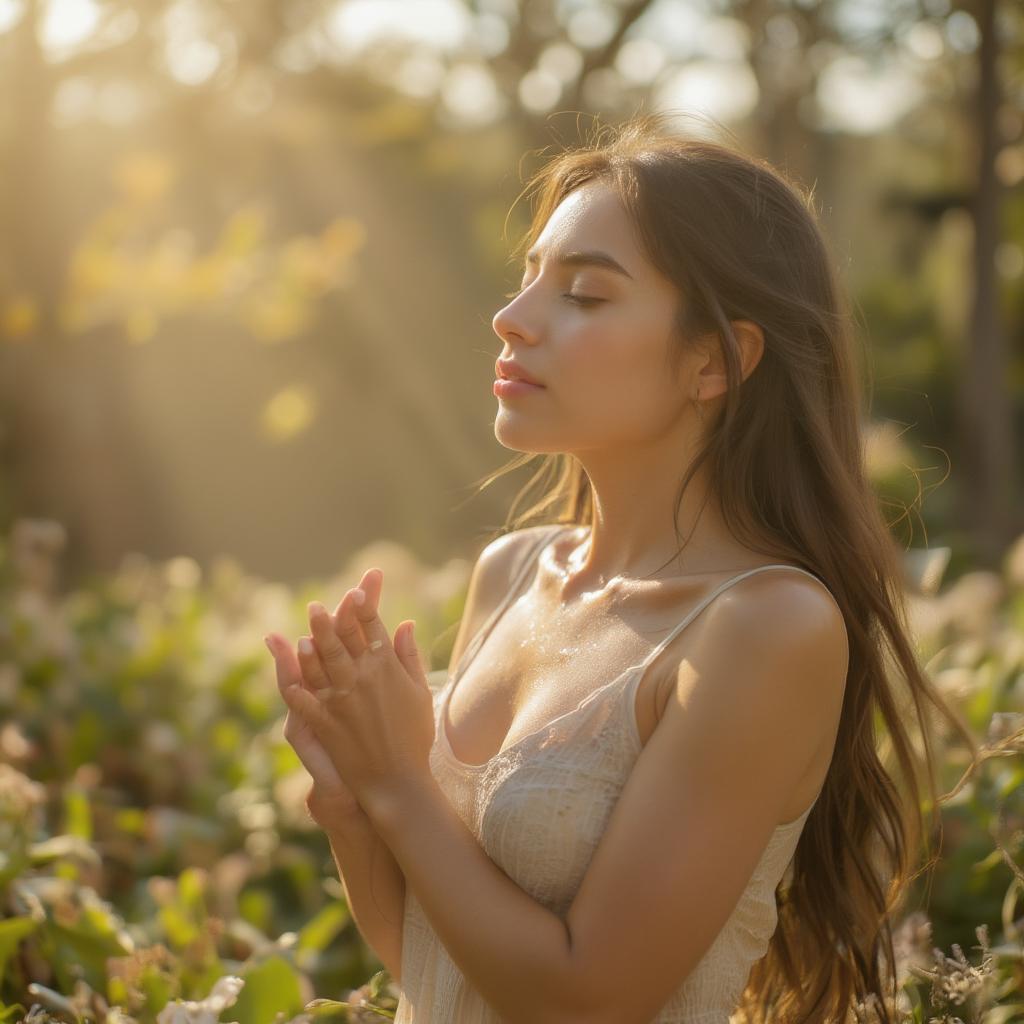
(514, 433)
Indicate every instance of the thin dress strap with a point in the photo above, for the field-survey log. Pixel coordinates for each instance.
(710, 597)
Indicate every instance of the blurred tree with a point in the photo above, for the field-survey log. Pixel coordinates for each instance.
(988, 452)
(201, 106)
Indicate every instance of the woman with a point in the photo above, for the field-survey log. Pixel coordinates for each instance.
(655, 796)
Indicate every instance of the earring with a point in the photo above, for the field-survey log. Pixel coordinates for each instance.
(699, 408)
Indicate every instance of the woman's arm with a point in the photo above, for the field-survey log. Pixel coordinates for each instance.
(374, 887)
(371, 877)
(511, 948)
(373, 882)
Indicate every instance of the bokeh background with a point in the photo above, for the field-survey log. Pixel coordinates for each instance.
(249, 256)
(250, 251)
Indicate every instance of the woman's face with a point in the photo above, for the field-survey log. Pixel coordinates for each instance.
(595, 337)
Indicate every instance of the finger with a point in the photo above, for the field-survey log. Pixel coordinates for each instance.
(308, 708)
(374, 630)
(310, 751)
(289, 677)
(312, 667)
(334, 656)
(370, 587)
(289, 672)
(408, 653)
(346, 626)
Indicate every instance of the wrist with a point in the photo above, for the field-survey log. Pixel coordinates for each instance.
(389, 809)
(348, 827)
(330, 816)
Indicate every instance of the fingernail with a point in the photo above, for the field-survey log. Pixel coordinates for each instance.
(358, 596)
(305, 645)
(270, 646)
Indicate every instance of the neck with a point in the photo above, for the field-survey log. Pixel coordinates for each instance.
(632, 542)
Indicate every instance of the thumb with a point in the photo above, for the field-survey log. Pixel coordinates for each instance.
(407, 651)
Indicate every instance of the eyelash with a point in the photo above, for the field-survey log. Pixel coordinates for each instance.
(579, 300)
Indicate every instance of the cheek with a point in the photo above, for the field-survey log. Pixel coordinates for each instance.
(622, 356)
(616, 383)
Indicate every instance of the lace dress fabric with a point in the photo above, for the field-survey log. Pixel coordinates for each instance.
(539, 808)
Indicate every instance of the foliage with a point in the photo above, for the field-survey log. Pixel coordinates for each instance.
(157, 863)
(154, 839)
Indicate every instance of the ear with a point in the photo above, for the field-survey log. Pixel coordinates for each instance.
(711, 380)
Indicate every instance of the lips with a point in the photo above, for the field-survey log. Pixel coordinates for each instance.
(509, 369)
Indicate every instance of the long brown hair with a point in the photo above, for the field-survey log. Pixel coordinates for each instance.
(786, 462)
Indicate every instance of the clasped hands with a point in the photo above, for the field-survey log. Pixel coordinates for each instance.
(360, 710)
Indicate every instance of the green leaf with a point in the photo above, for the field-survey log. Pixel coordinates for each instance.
(157, 989)
(131, 820)
(378, 983)
(1012, 782)
(227, 736)
(87, 738)
(117, 991)
(180, 930)
(320, 932)
(77, 813)
(257, 907)
(191, 885)
(12, 931)
(86, 947)
(326, 1008)
(12, 863)
(272, 987)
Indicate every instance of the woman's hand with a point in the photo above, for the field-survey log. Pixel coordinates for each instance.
(366, 701)
(329, 801)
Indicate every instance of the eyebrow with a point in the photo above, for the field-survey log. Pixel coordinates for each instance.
(592, 258)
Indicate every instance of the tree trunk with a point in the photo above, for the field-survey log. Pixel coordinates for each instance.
(985, 427)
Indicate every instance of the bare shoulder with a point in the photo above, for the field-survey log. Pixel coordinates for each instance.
(775, 636)
(490, 579)
(500, 559)
(789, 607)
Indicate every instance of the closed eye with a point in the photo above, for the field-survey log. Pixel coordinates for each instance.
(580, 300)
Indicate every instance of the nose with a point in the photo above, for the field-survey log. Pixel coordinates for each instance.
(509, 321)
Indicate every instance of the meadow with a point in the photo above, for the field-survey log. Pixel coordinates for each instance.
(157, 863)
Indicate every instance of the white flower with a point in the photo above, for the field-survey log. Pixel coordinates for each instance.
(205, 1011)
(18, 793)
